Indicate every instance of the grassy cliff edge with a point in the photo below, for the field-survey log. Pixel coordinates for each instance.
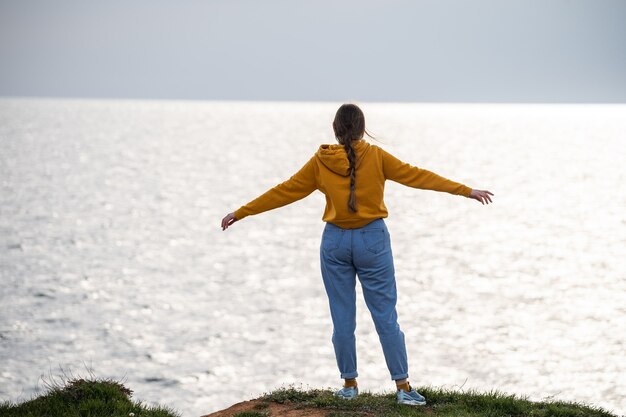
(292, 402)
(87, 398)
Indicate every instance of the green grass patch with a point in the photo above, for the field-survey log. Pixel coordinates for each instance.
(440, 403)
(262, 405)
(251, 414)
(80, 397)
(85, 398)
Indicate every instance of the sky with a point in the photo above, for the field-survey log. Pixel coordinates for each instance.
(321, 50)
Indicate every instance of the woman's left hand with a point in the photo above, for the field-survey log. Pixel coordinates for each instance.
(228, 220)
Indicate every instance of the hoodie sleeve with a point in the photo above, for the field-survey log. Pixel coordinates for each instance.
(411, 176)
(300, 185)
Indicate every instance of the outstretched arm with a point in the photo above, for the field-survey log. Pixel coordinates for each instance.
(415, 177)
(300, 185)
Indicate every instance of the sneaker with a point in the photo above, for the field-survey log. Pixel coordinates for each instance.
(347, 393)
(411, 397)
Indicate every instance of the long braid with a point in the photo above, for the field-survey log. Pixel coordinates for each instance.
(349, 125)
(352, 160)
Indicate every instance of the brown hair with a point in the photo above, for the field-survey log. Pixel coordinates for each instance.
(349, 125)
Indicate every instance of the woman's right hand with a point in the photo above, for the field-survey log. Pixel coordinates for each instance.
(481, 195)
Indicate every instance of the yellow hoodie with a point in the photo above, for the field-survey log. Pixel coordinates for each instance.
(328, 171)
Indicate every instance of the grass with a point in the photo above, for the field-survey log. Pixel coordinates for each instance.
(85, 398)
(440, 403)
(251, 414)
(78, 397)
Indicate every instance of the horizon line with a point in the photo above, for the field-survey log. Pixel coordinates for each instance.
(294, 101)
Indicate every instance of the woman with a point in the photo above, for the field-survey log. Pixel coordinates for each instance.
(355, 241)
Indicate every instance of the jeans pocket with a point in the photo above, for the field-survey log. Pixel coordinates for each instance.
(331, 239)
(374, 240)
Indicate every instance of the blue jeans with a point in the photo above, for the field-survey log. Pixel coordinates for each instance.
(366, 252)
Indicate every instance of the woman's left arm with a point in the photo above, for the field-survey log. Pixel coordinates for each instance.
(300, 185)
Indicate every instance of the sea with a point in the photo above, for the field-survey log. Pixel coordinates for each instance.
(113, 263)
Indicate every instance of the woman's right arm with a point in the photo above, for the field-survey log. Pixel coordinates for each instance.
(411, 176)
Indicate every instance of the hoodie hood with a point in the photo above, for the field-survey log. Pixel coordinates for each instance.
(335, 158)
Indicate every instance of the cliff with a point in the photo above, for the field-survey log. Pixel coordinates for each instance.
(291, 402)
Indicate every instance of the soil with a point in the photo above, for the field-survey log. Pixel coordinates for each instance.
(275, 409)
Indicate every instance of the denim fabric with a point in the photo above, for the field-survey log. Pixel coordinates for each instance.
(364, 252)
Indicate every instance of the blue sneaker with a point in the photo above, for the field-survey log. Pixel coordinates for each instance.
(411, 397)
(347, 393)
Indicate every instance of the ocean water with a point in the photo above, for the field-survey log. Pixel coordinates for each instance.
(113, 262)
